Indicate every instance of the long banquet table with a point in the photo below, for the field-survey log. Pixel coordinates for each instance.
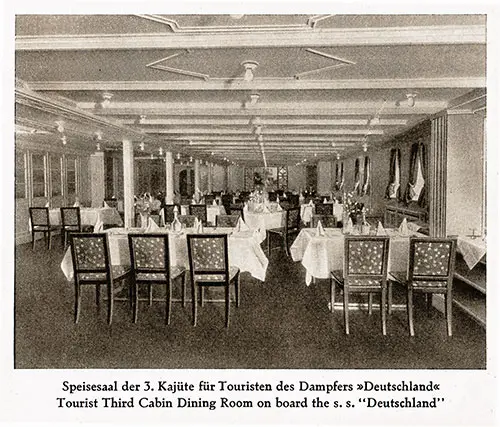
(91, 216)
(244, 250)
(322, 254)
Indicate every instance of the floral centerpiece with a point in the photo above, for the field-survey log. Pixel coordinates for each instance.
(144, 205)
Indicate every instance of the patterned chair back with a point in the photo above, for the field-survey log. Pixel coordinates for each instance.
(39, 217)
(327, 221)
(293, 199)
(149, 252)
(323, 209)
(70, 218)
(187, 220)
(236, 210)
(209, 198)
(169, 212)
(293, 219)
(432, 261)
(208, 254)
(365, 259)
(90, 256)
(199, 211)
(226, 220)
(273, 196)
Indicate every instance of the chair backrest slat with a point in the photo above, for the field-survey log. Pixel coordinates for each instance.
(149, 252)
(366, 257)
(208, 254)
(90, 252)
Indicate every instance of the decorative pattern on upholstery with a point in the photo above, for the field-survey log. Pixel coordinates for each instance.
(149, 252)
(429, 284)
(323, 209)
(89, 252)
(365, 257)
(364, 283)
(187, 220)
(208, 253)
(39, 217)
(70, 217)
(216, 277)
(199, 211)
(328, 221)
(293, 218)
(169, 213)
(116, 271)
(227, 220)
(431, 258)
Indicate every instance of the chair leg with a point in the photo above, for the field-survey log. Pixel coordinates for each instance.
(168, 291)
(332, 295)
(194, 302)
(135, 303)
(383, 312)
(184, 289)
(201, 291)
(237, 289)
(285, 239)
(449, 317)
(268, 238)
(370, 303)
(33, 240)
(150, 294)
(97, 295)
(409, 305)
(428, 301)
(110, 303)
(77, 302)
(49, 244)
(346, 310)
(389, 297)
(228, 304)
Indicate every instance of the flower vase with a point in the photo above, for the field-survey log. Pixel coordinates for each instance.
(144, 219)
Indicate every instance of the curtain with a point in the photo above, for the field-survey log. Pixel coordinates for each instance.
(366, 181)
(416, 180)
(393, 190)
(357, 177)
(422, 200)
(341, 185)
(337, 182)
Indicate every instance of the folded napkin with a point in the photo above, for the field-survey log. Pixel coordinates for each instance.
(214, 203)
(106, 205)
(76, 204)
(325, 201)
(279, 208)
(265, 209)
(152, 226)
(241, 225)
(47, 205)
(311, 203)
(403, 228)
(412, 226)
(99, 226)
(380, 230)
(348, 228)
(320, 231)
(198, 226)
(245, 207)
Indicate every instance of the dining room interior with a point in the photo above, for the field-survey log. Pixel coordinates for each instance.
(250, 191)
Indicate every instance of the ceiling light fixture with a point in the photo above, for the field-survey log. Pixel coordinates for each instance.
(254, 97)
(365, 147)
(161, 151)
(142, 145)
(178, 156)
(249, 66)
(410, 99)
(60, 126)
(142, 119)
(190, 159)
(338, 156)
(63, 139)
(106, 99)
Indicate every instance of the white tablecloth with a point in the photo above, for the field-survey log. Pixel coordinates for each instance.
(244, 251)
(91, 216)
(212, 212)
(264, 221)
(471, 249)
(307, 211)
(322, 254)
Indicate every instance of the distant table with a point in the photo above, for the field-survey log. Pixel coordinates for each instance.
(212, 212)
(307, 211)
(91, 216)
(472, 249)
(264, 221)
(322, 254)
(244, 250)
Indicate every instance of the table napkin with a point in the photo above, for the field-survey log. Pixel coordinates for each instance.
(214, 203)
(47, 205)
(380, 230)
(279, 208)
(349, 227)
(106, 205)
(403, 228)
(152, 226)
(311, 203)
(76, 205)
(325, 201)
(241, 225)
(320, 231)
(99, 226)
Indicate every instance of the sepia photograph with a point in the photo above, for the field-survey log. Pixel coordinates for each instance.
(252, 192)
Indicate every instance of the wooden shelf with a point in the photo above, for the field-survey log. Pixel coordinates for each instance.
(475, 277)
(470, 300)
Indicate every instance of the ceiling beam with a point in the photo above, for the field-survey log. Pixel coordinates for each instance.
(186, 132)
(261, 84)
(390, 36)
(264, 122)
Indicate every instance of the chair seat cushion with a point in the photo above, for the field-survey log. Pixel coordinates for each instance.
(216, 277)
(175, 272)
(400, 277)
(44, 227)
(338, 276)
(276, 230)
(117, 271)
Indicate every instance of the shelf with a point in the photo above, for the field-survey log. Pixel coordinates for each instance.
(475, 277)
(471, 301)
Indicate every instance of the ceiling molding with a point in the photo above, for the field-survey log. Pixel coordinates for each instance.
(264, 122)
(211, 131)
(425, 35)
(262, 84)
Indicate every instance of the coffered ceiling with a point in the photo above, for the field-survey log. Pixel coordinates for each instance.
(247, 89)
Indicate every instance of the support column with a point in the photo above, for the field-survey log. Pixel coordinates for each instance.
(210, 178)
(128, 183)
(196, 175)
(97, 179)
(437, 177)
(169, 178)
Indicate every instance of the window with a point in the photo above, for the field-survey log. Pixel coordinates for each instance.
(20, 175)
(71, 175)
(55, 175)
(38, 174)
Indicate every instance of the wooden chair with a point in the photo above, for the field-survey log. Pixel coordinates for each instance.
(209, 198)
(323, 209)
(187, 220)
(328, 221)
(40, 223)
(365, 271)
(169, 212)
(150, 260)
(209, 266)
(71, 222)
(226, 220)
(431, 267)
(200, 212)
(292, 226)
(227, 200)
(237, 210)
(91, 266)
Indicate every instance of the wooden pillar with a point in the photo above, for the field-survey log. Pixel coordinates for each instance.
(196, 175)
(437, 177)
(169, 177)
(128, 183)
(97, 179)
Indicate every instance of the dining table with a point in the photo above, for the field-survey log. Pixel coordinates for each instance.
(244, 250)
(322, 253)
(307, 211)
(472, 248)
(91, 216)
